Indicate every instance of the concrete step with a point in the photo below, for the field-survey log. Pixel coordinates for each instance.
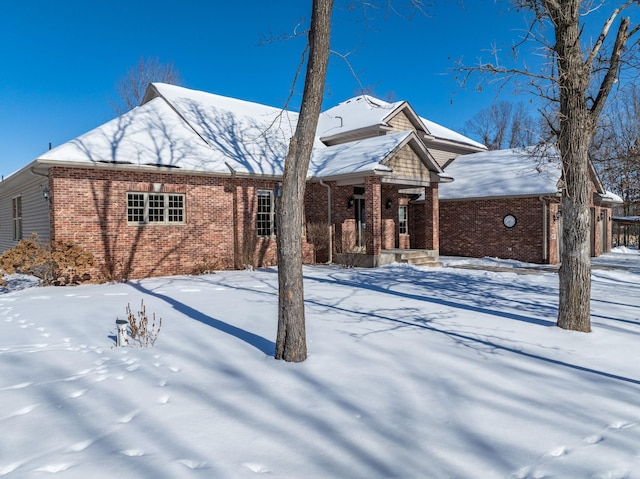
(418, 257)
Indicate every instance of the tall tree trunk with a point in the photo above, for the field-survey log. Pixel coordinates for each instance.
(576, 131)
(291, 344)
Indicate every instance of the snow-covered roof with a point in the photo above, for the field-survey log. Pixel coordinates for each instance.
(150, 134)
(611, 197)
(197, 131)
(356, 156)
(356, 113)
(514, 172)
(444, 133)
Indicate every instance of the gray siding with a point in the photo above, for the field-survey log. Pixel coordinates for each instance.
(35, 209)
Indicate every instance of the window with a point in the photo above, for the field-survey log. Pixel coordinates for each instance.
(265, 219)
(402, 220)
(155, 208)
(17, 217)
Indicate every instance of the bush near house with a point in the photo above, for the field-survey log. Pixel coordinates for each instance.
(54, 262)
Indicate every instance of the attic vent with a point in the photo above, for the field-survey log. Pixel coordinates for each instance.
(113, 162)
(161, 165)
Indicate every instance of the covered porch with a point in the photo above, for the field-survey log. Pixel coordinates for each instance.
(377, 220)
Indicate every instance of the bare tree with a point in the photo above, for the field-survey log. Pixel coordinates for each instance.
(503, 125)
(580, 76)
(132, 86)
(616, 149)
(291, 336)
(291, 342)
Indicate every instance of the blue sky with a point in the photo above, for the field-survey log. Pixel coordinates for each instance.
(61, 60)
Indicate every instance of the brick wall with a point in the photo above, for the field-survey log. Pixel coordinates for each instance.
(476, 229)
(90, 205)
(424, 221)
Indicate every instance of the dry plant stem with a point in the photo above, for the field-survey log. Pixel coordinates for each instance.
(141, 332)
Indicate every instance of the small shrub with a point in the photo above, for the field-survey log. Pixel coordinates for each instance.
(55, 262)
(115, 271)
(207, 266)
(140, 331)
(246, 253)
(318, 234)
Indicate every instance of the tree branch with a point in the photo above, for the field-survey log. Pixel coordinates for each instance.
(614, 64)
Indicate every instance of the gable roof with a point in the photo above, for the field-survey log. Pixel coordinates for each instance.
(366, 112)
(514, 172)
(443, 133)
(192, 130)
(366, 155)
(357, 113)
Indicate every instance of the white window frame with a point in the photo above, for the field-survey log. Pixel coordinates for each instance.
(16, 214)
(265, 220)
(147, 208)
(403, 226)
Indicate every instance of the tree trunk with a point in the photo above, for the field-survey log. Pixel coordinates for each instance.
(576, 131)
(291, 342)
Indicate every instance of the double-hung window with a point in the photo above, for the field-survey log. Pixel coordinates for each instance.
(155, 208)
(265, 217)
(402, 220)
(16, 205)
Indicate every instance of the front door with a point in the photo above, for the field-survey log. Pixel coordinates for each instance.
(361, 243)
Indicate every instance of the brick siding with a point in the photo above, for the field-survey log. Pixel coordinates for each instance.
(90, 209)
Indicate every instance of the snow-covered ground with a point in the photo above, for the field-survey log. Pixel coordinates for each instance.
(412, 373)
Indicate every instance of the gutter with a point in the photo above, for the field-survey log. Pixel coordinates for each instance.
(328, 187)
(544, 229)
(234, 211)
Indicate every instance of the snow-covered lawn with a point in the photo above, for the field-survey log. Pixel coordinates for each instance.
(412, 373)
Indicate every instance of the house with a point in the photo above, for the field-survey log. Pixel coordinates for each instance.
(506, 204)
(189, 180)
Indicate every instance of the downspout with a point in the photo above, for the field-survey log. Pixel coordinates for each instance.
(544, 229)
(234, 213)
(329, 220)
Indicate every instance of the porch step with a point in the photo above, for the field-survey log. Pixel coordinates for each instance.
(417, 257)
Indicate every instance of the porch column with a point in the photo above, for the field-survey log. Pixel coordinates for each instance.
(432, 217)
(373, 215)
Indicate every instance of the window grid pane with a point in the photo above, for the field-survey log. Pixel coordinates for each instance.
(264, 217)
(176, 209)
(156, 208)
(402, 220)
(135, 207)
(17, 218)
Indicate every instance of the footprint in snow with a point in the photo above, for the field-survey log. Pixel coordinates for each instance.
(558, 451)
(78, 393)
(163, 399)
(593, 439)
(255, 467)
(79, 446)
(17, 386)
(54, 468)
(192, 464)
(619, 425)
(9, 468)
(127, 418)
(133, 452)
(24, 410)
